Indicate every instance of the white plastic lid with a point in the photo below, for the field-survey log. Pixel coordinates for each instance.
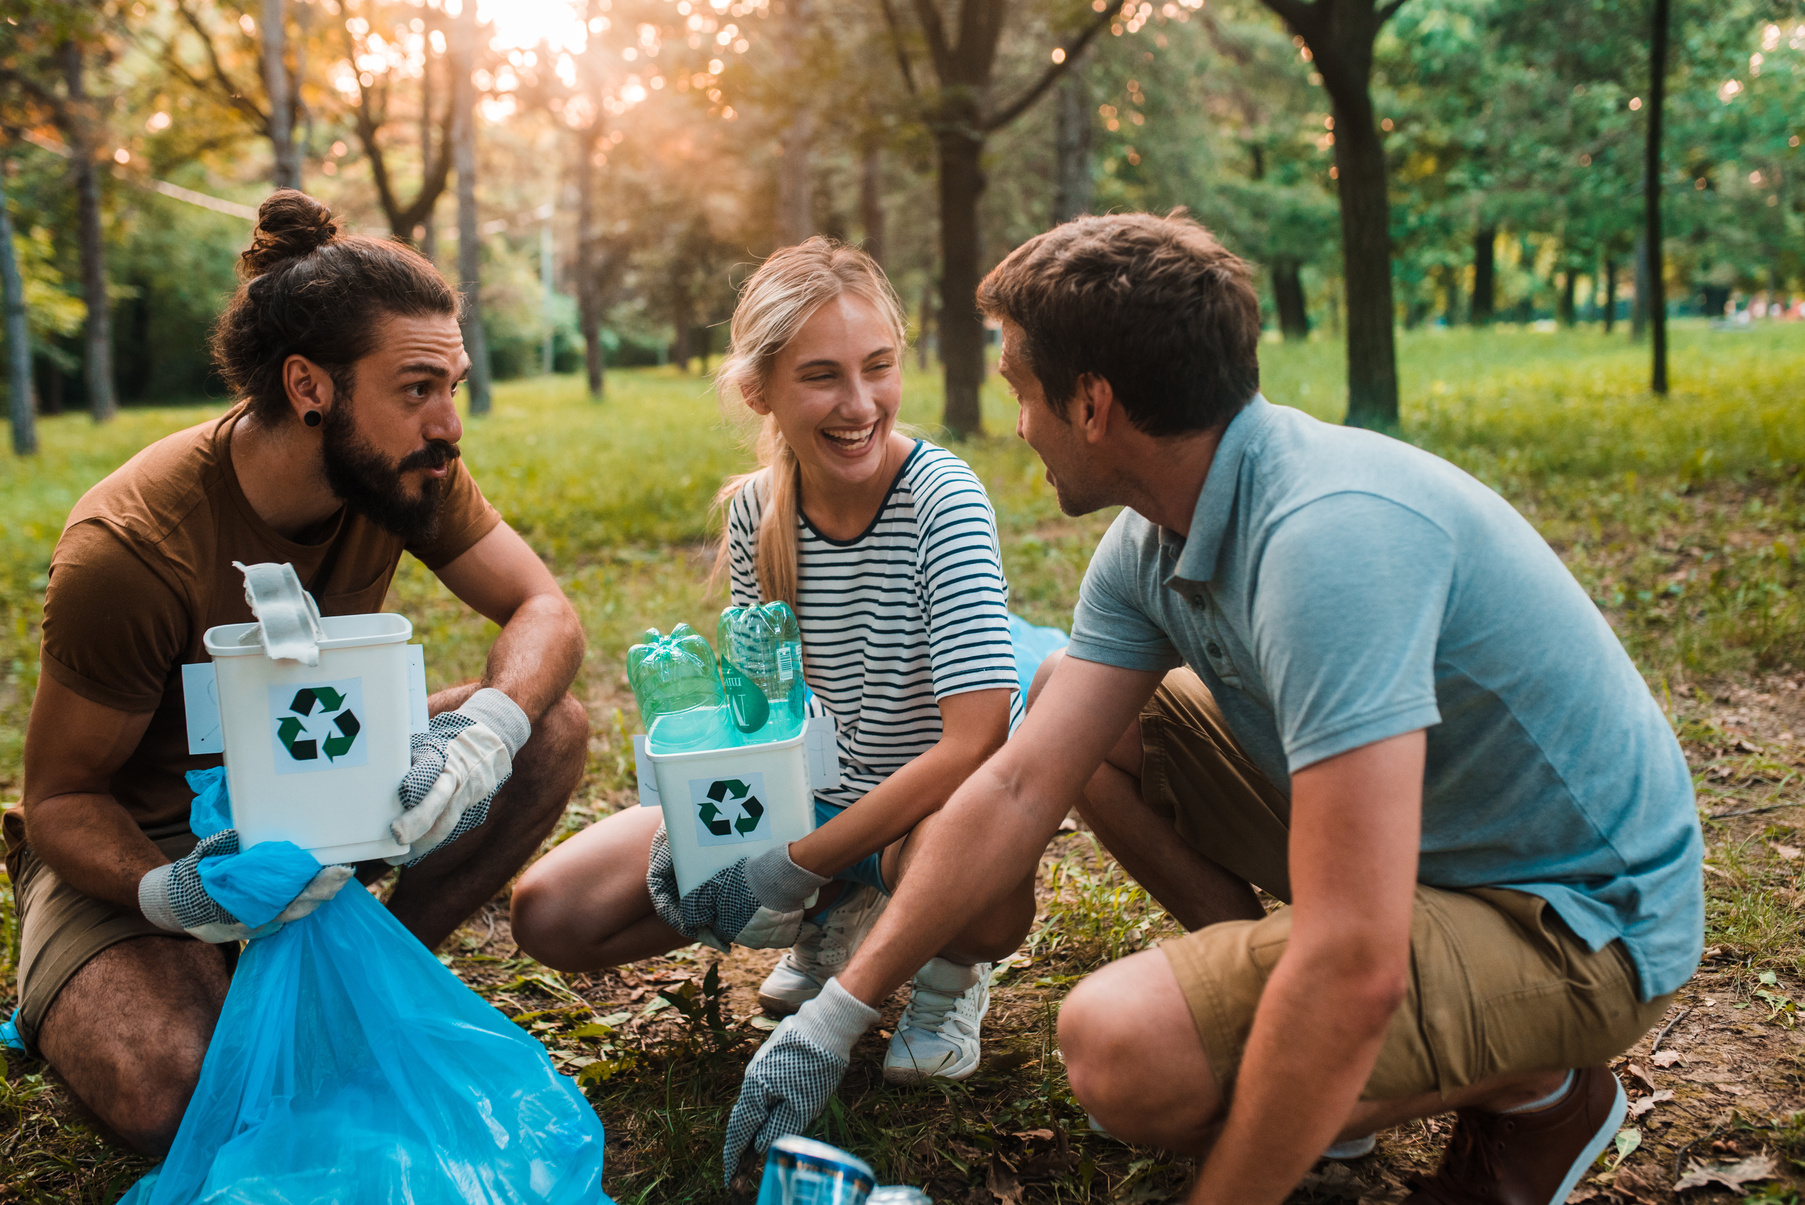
(342, 632)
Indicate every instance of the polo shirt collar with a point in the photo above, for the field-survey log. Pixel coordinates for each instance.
(1216, 502)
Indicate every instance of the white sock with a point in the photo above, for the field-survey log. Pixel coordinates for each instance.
(1553, 1098)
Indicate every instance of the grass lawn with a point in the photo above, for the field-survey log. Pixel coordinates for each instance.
(1681, 516)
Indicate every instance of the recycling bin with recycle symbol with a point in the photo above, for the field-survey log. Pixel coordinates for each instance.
(314, 753)
(721, 805)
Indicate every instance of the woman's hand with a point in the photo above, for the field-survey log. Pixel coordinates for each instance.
(756, 902)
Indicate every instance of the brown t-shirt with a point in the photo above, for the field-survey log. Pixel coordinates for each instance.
(144, 567)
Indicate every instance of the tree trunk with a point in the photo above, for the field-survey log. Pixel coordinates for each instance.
(1610, 292)
(1072, 148)
(1485, 274)
(961, 329)
(1651, 192)
(103, 402)
(429, 231)
(470, 250)
(1288, 297)
(682, 344)
(589, 299)
(871, 199)
(1372, 372)
(287, 173)
(304, 27)
(1563, 310)
(1451, 297)
(925, 334)
(18, 338)
(1639, 306)
(795, 218)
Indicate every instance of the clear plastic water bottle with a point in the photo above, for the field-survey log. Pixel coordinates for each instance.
(898, 1194)
(801, 1171)
(763, 646)
(678, 688)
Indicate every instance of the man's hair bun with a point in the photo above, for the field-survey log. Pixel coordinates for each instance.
(290, 224)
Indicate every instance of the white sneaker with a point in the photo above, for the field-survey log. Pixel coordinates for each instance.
(821, 950)
(937, 1036)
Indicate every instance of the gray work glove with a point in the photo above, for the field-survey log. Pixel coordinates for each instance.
(173, 897)
(790, 1078)
(460, 761)
(756, 902)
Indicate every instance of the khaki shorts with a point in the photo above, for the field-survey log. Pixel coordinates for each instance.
(1498, 983)
(60, 929)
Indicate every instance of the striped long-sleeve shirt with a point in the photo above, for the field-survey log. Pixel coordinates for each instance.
(910, 611)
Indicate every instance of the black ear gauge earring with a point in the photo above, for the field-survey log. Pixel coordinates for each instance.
(311, 418)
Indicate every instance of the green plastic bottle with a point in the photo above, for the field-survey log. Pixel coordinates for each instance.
(677, 684)
(761, 670)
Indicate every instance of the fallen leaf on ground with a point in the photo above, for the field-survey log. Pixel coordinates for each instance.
(1640, 1072)
(1666, 1058)
(1579, 1195)
(1789, 852)
(1631, 1186)
(1753, 1170)
(1639, 1107)
(1334, 1180)
(1003, 1183)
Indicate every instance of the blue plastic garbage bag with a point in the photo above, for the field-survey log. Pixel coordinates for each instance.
(350, 1066)
(1033, 645)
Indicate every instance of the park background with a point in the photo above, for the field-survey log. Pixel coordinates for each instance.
(1448, 206)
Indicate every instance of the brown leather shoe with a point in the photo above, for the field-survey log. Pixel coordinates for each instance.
(1526, 1158)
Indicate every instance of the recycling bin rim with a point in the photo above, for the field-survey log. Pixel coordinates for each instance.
(342, 632)
(683, 755)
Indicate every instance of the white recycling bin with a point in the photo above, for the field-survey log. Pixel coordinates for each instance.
(314, 753)
(721, 805)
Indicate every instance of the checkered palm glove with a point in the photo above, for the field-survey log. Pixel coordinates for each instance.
(173, 897)
(790, 1078)
(460, 761)
(756, 902)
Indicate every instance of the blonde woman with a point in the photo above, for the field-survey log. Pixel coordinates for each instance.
(886, 548)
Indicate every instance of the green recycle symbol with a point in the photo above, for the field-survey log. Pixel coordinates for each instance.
(723, 790)
(290, 731)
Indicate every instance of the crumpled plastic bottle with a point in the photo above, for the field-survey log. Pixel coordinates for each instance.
(678, 688)
(763, 645)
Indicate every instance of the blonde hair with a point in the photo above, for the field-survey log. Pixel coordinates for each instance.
(773, 305)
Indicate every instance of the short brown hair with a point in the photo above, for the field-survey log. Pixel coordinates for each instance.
(312, 291)
(1153, 305)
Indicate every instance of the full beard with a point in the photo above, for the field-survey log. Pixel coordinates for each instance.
(370, 486)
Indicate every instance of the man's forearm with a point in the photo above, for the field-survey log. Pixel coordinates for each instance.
(1311, 1050)
(986, 840)
(93, 845)
(535, 658)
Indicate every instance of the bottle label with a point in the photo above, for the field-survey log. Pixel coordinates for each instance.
(786, 663)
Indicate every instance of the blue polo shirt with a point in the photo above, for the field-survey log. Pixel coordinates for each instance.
(1339, 587)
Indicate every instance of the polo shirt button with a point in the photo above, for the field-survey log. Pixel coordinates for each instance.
(1213, 649)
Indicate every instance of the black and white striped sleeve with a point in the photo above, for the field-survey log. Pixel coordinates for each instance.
(964, 596)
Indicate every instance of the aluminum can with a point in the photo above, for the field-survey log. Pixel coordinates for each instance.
(801, 1171)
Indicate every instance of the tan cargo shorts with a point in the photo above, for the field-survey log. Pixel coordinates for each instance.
(1498, 982)
(61, 929)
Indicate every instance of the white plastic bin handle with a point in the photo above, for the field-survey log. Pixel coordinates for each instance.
(648, 778)
(819, 733)
(287, 619)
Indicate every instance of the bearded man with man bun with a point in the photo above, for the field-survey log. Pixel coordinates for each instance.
(341, 453)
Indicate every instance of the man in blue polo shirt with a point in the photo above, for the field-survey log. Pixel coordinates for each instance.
(1325, 663)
